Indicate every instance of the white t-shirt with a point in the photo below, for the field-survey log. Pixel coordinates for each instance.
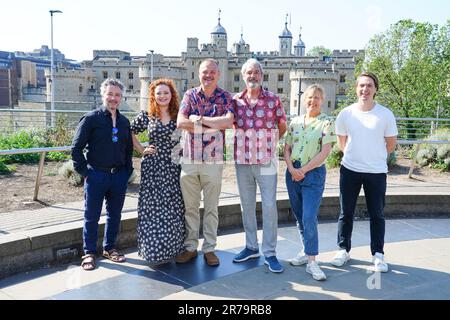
(365, 150)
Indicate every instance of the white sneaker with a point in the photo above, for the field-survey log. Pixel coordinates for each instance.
(300, 259)
(341, 258)
(378, 262)
(313, 269)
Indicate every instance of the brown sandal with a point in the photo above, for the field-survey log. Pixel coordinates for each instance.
(114, 256)
(88, 262)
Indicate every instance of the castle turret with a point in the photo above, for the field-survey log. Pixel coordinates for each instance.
(299, 48)
(285, 41)
(219, 35)
(241, 47)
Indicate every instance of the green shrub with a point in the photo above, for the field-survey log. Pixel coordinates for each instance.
(334, 158)
(57, 156)
(36, 138)
(20, 140)
(434, 155)
(67, 171)
(392, 159)
(280, 147)
(4, 169)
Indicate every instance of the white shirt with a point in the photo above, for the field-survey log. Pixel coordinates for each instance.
(365, 150)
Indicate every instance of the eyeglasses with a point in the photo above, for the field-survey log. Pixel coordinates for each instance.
(115, 138)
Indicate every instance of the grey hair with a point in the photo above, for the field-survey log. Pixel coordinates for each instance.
(251, 62)
(111, 82)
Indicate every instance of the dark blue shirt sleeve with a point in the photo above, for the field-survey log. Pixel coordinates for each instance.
(79, 142)
(129, 150)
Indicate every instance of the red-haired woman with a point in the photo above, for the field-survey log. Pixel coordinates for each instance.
(160, 226)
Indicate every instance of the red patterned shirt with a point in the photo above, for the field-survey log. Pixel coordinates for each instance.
(256, 134)
(207, 146)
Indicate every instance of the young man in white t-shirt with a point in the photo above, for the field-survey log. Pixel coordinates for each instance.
(367, 133)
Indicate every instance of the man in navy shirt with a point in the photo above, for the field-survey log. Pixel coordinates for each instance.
(106, 135)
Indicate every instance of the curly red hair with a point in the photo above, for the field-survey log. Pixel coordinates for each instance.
(153, 107)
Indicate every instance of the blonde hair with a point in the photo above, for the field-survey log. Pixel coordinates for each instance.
(314, 88)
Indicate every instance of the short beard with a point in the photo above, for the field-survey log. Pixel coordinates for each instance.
(254, 85)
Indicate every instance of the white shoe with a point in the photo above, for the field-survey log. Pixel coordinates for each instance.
(300, 259)
(378, 262)
(313, 269)
(341, 258)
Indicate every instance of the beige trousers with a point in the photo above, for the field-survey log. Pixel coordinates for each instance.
(194, 179)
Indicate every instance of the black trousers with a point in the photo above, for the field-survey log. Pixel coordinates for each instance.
(374, 185)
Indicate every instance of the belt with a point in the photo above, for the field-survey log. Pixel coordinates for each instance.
(109, 170)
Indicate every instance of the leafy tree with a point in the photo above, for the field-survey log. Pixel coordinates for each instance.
(412, 61)
(314, 51)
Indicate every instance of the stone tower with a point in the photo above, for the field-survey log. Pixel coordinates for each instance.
(219, 35)
(285, 41)
(299, 48)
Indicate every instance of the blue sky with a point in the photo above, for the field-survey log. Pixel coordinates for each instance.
(138, 26)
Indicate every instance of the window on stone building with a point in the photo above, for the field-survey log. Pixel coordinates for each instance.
(80, 88)
(280, 77)
(329, 105)
(266, 77)
(342, 78)
(342, 91)
(130, 87)
(236, 89)
(193, 75)
(117, 75)
(130, 75)
(105, 74)
(280, 90)
(236, 77)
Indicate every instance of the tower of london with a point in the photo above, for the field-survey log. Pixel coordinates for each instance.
(287, 72)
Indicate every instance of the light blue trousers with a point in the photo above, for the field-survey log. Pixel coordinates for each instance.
(248, 176)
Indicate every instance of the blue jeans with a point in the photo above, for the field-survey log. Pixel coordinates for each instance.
(374, 185)
(305, 197)
(265, 176)
(99, 186)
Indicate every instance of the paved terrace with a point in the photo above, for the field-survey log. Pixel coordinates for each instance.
(48, 242)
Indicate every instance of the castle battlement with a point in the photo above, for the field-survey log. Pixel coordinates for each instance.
(71, 73)
(347, 53)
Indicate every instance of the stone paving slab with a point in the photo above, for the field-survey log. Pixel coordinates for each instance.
(419, 269)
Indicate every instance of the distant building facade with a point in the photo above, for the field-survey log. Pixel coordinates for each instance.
(287, 71)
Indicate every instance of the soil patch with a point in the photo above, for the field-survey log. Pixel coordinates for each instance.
(17, 188)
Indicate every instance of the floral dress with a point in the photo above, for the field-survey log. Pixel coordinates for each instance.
(160, 225)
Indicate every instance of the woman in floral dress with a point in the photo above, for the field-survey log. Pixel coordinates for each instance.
(160, 226)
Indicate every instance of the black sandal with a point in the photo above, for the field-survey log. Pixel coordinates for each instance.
(114, 255)
(88, 262)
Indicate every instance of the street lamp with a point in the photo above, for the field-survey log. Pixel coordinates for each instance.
(151, 66)
(52, 71)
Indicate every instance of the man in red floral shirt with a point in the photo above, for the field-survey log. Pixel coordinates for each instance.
(260, 121)
(204, 113)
